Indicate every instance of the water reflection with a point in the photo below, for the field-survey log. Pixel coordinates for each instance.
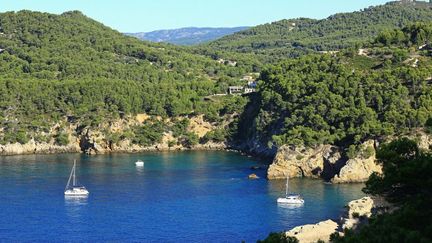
(289, 206)
(74, 205)
(139, 170)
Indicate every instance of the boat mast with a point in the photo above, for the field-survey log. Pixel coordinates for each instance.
(286, 189)
(70, 177)
(74, 179)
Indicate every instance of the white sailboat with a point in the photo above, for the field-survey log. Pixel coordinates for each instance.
(290, 198)
(74, 189)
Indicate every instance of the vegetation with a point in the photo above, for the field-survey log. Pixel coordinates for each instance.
(295, 37)
(406, 181)
(58, 66)
(279, 238)
(330, 99)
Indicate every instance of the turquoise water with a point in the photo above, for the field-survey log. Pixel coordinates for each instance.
(176, 197)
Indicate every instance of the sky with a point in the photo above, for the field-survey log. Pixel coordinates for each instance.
(149, 15)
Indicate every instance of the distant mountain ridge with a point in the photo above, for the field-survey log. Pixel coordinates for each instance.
(187, 36)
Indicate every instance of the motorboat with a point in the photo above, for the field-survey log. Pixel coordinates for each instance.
(139, 163)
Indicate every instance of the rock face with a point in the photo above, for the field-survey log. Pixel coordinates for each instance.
(314, 232)
(424, 141)
(357, 210)
(31, 147)
(294, 161)
(324, 161)
(96, 140)
(359, 169)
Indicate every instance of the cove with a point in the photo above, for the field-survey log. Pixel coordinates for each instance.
(199, 196)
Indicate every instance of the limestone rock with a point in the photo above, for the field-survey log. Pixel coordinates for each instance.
(358, 169)
(424, 141)
(356, 210)
(314, 232)
(294, 161)
(32, 148)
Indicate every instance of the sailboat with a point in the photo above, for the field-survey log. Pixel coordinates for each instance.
(74, 189)
(290, 198)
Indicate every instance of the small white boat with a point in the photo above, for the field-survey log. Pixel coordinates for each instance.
(139, 163)
(74, 189)
(290, 198)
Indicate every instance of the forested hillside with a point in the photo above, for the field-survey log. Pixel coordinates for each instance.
(294, 37)
(346, 98)
(52, 66)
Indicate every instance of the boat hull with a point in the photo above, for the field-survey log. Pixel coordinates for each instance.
(76, 192)
(290, 201)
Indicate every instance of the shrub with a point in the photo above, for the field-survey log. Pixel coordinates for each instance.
(62, 139)
(428, 126)
(21, 137)
(278, 238)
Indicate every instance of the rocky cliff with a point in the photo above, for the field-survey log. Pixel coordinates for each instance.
(331, 162)
(96, 140)
(357, 213)
(324, 161)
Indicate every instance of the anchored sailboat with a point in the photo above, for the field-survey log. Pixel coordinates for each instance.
(290, 198)
(74, 189)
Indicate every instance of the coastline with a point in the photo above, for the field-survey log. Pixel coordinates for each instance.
(357, 213)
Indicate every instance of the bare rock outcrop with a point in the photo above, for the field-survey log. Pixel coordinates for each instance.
(324, 161)
(359, 169)
(300, 161)
(357, 211)
(32, 147)
(424, 141)
(314, 232)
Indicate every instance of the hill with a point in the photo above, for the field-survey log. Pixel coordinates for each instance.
(346, 98)
(68, 65)
(186, 36)
(294, 37)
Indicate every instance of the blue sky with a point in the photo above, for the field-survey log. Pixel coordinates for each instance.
(148, 15)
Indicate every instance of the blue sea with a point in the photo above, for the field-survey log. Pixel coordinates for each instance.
(176, 197)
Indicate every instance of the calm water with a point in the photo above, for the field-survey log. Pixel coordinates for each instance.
(177, 197)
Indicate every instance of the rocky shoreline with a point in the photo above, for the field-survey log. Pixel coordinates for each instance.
(331, 163)
(46, 148)
(358, 213)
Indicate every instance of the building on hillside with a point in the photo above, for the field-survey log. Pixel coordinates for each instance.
(235, 90)
(248, 90)
(232, 63)
(252, 84)
(248, 78)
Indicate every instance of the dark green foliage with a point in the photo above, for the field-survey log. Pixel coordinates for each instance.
(62, 139)
(58, 66)
(22, 137)
(278, 238)
(149, 133)
(415, 34)
(180, 127)
(217, 135)
(189, 139)
(319, 99)
(428, 125)
(407, 182)
(282, 39)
